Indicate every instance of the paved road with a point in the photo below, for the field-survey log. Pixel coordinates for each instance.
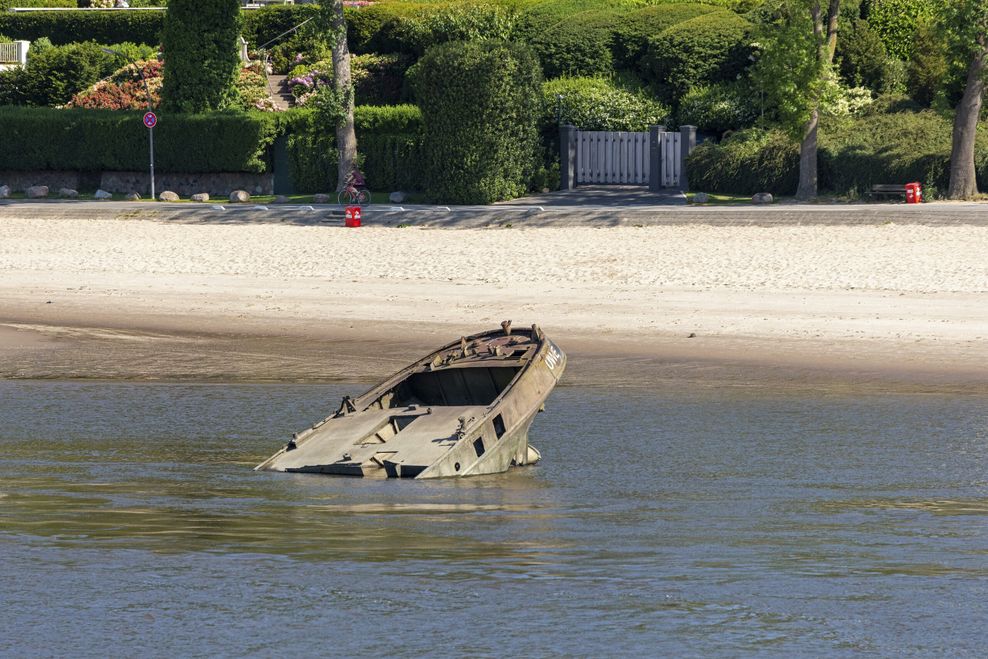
(519, 214)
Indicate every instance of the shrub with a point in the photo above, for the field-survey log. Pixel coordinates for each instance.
(597, 104)
(411, 29)
(747, 162)
(895, 22)
(862, 56)
(124, 90)
(389, 142)
(63, 27)
(54, 74)
(875, 148)
(379, 79)
(480, 101)
(262, 25)
(578, 45)
(719, 107)
(632, 32)
(708, 48)
(88, 140)
(894, 148)
(201, 55)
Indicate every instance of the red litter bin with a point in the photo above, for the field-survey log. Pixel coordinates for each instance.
(914, 193)
(351, 217)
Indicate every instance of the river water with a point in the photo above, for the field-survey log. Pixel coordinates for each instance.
(661, 521)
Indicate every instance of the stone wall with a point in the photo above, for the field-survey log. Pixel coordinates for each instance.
(218, 185)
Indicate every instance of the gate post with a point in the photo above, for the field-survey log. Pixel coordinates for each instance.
(655, 158)
(687, 142)
(567, 157)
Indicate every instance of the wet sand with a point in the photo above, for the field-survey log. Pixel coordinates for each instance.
(873, 305)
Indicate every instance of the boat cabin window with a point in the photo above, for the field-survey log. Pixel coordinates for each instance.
(454, 386)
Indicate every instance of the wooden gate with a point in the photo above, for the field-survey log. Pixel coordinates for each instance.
(655, 158)
(612, 157)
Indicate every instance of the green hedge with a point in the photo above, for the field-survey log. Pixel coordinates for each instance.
(578, 45)
(389, 142)
(90, 140)
(64, 27)
(260, 25)
(633, 31)
(708, 48)
(598, 104)
(881, 148)
(480, 102)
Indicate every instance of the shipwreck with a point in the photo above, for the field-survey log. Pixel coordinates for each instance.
(464, 410)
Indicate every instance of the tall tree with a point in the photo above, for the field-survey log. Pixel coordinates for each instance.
(966, 24)
(199, 40)
(796, 73)
(336, 106)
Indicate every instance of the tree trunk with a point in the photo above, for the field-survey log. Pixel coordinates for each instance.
(346, 137)
(963, 180)
(807, 159)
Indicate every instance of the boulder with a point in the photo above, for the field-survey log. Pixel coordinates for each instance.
(763, 198)
(133, 196)
(36, 192)
(201, 197)
(701, 198)
(68, 193)
(322, 199)
(103, 195)
(4, 191)
(168, 195)
(397, 197)
(239, 197)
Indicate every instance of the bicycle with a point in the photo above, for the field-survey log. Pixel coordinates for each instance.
(354, 192)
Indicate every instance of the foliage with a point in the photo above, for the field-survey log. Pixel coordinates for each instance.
(7, 4)
(54, 74)
(63, 27)
(719, 107)
(630, 41)
(578, 45)
(389, 139)
(379, 79)
(747, 162)
(895, 22)
(412, 28)
(790, 72)
(89, 140)
(124, 90)
(201, 55)
(862, 56)
(709, 48)
(876, 148)
(480, 101)
(928, 69)
(597, 104)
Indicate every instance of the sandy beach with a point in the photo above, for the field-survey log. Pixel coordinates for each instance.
(867, 303)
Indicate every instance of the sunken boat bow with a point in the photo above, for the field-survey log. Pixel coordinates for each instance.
(464, 410)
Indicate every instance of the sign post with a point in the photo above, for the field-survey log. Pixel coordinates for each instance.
(151, 120)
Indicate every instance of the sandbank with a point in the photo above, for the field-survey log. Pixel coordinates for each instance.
(863, 303)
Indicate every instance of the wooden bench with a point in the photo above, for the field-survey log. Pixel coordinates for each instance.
(888, 190)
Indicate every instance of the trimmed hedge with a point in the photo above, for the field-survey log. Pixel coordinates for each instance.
(578, 45)
(259, 25)
(709, 48)
(480, 102)
(63, 27)
(632, 33)
(745, 163)
(94, 140)
(202, 63)
(389, 142)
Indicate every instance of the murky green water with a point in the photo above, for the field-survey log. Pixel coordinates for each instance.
(660, 523)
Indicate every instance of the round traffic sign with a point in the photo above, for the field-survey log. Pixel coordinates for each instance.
(150, 119)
